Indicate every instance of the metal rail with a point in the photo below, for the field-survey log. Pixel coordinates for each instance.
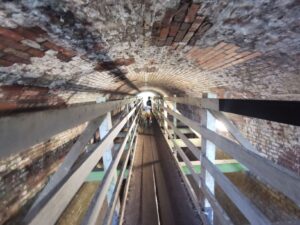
(268, 172)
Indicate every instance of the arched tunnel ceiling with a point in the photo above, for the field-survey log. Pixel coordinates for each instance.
(244, 49)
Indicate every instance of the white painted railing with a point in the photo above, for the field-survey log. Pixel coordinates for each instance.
(271, 174)
(68, 179)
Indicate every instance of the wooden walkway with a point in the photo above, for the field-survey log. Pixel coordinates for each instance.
(149, 201)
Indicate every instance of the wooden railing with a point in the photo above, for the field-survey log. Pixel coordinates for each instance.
(68, 179)
(241, 149)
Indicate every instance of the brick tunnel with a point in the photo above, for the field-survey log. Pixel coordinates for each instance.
(218, 143)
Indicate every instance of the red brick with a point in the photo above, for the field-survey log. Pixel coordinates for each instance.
(49, 45)
(168, 17)
(124, 62)
(188, 36)
(174, 29)
(10, 34)
(26, 33)
(15, 59)
(17, 53)
(196, 24)
(192, 12)
(181, 12)
(66, 55)
(180, 35)
(169, 41)
(164, 33)
(12, 44)
(38, 30)
(5, 63)
(35, 52)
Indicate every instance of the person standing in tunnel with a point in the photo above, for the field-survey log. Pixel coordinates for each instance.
(149, 111)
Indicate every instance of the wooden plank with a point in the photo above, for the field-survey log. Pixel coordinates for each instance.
(189, 144)
(99, 197)
(44, 124)
(50, 210)
(217, 208)
(198, 102)
(68, 162)
(245, 205)
(280, 178)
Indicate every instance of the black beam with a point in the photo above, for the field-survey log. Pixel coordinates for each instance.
(287, 112)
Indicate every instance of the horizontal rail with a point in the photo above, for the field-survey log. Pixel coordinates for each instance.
(221, 214)
(199, 102)
(50, 210)
(44, 124)
(109, 216)
(68, 162)
(186, 161)
(100, 195)
(189, 144)
(274, 175)
(126, 189)
(245, 205)
(279, 178)
(278, 111)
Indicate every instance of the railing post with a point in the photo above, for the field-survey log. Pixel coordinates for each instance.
(104, 129)
(174, 109)
(208, 149)
(165, 114)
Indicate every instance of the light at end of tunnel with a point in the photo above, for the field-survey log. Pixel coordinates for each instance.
(145, 95)
(220, 126)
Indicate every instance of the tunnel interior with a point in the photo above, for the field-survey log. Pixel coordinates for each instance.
(66, 53)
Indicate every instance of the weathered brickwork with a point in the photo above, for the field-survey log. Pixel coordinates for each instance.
(23, 175)
(275, 141)
(273, 204)
(63, 52)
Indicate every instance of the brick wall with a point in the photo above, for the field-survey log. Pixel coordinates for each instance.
(273, 204)
(23, 175)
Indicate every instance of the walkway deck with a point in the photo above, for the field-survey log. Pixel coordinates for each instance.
(150, 201)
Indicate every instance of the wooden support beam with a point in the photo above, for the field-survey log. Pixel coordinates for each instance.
(50, 209)
(44, 124)
(254, 215)
(280, 178)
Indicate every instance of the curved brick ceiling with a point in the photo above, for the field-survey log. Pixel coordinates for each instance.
(249, 49)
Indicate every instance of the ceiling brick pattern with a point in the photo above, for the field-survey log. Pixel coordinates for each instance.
(181, 26)
(20, 44)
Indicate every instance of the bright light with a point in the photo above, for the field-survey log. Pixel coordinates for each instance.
(145, 95)
(220, 126)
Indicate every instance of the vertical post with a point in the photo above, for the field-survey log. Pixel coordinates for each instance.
(208, 149)
(104, 129)
(174, 109)
(165, 114)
